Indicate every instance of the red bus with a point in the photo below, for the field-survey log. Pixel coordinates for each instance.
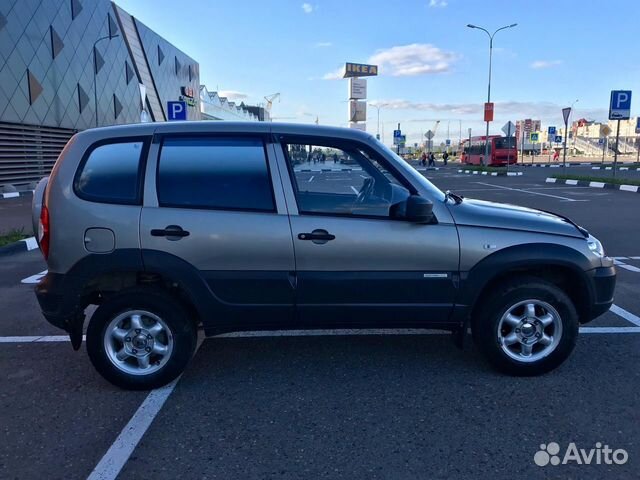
(500, 149)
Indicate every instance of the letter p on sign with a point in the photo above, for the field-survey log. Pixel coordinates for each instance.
(176, 111)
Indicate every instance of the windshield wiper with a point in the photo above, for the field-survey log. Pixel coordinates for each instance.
(455, 197)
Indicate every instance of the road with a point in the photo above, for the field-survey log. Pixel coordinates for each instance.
(333, 404)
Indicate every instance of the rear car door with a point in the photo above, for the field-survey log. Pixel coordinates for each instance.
(359, 263)
(211, 209)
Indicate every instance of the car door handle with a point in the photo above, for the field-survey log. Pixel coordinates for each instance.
(172, 232)
(317, 235)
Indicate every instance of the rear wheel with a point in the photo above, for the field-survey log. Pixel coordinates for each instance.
(140, 339)
(528, 327)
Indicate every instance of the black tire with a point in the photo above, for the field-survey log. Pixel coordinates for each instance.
(172, 313)
(490, 311)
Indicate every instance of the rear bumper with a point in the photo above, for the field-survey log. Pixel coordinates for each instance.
(58, 301)
(603, 284)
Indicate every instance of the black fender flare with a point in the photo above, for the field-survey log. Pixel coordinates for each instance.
(522, 257)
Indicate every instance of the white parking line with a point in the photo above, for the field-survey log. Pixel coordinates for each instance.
(34, 278)
(36, 338)
(532, 193)
(602, 330)
(355, 190)
(311, 179)
(621, 312)
(119, 452)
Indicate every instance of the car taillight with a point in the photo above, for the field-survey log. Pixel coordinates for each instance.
(43, 232)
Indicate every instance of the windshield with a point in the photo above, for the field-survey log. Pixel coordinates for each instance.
(411, 172)
(505, 142)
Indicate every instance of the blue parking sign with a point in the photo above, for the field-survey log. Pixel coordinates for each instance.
(620, 106)
(552, 131)
(176, 111)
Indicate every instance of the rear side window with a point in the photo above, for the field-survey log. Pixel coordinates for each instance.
(216, 173)
(111, 173)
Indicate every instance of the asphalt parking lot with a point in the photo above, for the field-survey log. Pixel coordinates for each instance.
(334, 404)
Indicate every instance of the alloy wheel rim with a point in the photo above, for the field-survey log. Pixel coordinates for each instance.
(529, 330)
(138, 342)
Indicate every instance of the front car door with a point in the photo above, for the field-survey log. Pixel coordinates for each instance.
(214, 207)
(358, 262)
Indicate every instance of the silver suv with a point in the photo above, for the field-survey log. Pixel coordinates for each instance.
(168, 228)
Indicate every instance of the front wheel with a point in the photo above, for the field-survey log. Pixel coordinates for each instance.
(140, 339)
(528, 327)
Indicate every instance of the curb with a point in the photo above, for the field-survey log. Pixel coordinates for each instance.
(16, 194)
(584, 183)
(619, 168)
(24, 245)
(493, 174)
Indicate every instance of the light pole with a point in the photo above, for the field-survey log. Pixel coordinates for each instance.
(491, 35)
(95, 71)
(377, 107)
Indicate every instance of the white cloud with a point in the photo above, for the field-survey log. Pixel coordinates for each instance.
(335, 75)
(322, 44)
(437, 3)
(546, 111)
(307, 7)
(413, 59)
(538, 64)
(232, 94)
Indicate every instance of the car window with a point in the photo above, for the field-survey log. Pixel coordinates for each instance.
(111, 173)
(342, 179)
(216, 173)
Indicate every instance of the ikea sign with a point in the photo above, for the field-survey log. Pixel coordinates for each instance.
(360, 70)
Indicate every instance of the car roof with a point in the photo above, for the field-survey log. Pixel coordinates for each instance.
(142, 129)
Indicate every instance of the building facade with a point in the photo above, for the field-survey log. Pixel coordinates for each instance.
(215, 107)
(68, 65)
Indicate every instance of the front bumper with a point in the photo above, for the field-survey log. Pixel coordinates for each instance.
(603, 284)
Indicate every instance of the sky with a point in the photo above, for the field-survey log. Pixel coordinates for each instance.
(432, 67)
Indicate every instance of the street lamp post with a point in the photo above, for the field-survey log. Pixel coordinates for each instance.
(95, 71)
(491, 35)
(377, 107)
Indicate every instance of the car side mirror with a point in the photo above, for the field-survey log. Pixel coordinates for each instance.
(419, 209)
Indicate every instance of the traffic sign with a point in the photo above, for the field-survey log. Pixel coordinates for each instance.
(620, 106)
(397, 133)
(509, 128)
(551, 130)
(605, 131)
(488, 112)
(429, 135)
(601, 141)
(534, 136)
(448, 142)
(565, 114)
(638, 125)
(558, 138)
(176, 111)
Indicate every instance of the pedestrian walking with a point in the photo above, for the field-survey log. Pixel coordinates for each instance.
(423, 159)
(432, 160)
(445, 157)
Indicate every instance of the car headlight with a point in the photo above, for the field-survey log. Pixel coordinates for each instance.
(596, 247)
